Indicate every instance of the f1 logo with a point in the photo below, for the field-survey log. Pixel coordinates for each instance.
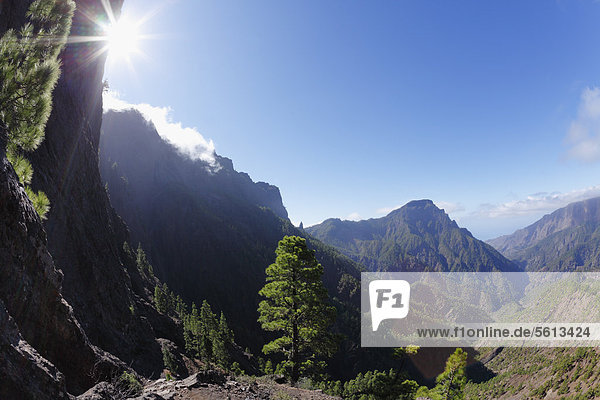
(389, 300)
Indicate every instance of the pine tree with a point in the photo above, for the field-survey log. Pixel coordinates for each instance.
(208, 326)
(142, 261)
(180, 307)
(169, 360)
(222, 339)
(127, 250)
(29, 70)
(224, 330)
(191, 330)
(451, 382)
(160, 299)
(296, 304)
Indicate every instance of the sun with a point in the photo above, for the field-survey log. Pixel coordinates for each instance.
(118, 38)
(122, 37)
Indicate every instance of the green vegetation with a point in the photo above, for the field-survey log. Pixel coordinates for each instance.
(297, 304)
(128, 384)
(29, 70)
(161, 299)
(169, 360)
(236, 369)
(206, 336)
(535, 372)
(374, 385)
(450, 384)
(268, 369)
(142, 261)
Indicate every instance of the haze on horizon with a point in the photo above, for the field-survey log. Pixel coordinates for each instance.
(490, 109)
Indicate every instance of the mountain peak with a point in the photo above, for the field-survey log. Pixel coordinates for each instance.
(412, 205)
(420, 203)
(416, 236)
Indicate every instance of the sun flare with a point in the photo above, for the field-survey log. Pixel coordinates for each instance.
(122, 38)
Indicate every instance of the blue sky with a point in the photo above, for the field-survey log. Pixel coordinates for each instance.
(489, 108)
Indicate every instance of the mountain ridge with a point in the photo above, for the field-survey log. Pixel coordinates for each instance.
(418, 236)
(566, 239)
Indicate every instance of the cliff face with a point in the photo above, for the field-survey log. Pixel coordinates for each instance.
(24, 373)
(30, 291)
(85, 235)
(78, 254)
(33, 313)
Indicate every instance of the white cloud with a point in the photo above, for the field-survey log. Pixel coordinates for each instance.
(536, 203)
(584, 132)
(187, 140)
(353, 217)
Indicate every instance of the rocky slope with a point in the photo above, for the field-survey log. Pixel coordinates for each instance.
(209, 385)
(418, 236)
(567, 239)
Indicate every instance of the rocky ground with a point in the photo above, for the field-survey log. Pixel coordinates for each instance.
(208, 385)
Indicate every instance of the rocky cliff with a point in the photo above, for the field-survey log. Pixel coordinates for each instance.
(85, 235)
(78, 253)
(30, 297)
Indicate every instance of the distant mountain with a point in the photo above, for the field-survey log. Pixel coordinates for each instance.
(566, 240)
(418, 236)
(211, 231)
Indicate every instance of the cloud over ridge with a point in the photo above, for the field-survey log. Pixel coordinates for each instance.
(187, 140)
(536, 203)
